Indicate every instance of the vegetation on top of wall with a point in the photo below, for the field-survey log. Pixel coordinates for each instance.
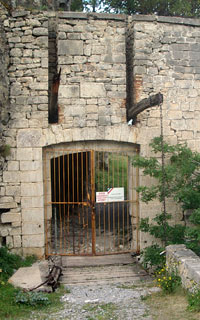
(181, 177)
(184, 8)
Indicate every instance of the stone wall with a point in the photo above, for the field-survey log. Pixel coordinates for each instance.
(186, 263)
(107, 62)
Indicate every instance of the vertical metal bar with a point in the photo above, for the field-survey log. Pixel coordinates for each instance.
(50, 231)
(127, 198)
(137, 208)
(73, 226)
(93, 202)
(123, 184)
(109, 205)
(64, 205)
(73, 178)
(104, 217)
(59, 197)
(118, 159)
(87, 195)
(133, 210)
(103, 170)
(55, 199)
(45, 201)
(98, 189)
(55, 228)
(82, 199)
(77, 190)
(113, 176)
(68, 200)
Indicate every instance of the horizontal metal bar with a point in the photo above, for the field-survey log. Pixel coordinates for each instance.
(88, 204)
(57, 202)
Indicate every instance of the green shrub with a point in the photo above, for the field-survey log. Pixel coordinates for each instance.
(178, 179)
(151, 257)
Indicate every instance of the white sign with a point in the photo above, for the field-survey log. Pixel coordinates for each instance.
(112, 195)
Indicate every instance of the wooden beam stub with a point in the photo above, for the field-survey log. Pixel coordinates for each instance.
(144, 104)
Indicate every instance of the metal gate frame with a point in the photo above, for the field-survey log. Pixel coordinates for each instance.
(89, 203)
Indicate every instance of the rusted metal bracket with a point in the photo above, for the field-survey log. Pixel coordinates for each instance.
(144, 104)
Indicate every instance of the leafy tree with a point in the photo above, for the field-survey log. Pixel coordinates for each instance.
(160, 7)
(93, 5)
(180, 181)
(76, 5)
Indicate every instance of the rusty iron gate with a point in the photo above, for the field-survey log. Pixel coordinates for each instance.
(91, 206)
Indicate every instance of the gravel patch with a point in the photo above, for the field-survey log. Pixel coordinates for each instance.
(104, 302)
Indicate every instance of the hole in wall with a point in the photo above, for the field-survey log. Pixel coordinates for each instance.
(3, 241)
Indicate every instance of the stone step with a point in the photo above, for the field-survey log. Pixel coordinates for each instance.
(83, 261)
(104, 274)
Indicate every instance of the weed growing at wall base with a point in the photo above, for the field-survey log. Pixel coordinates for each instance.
(168, 281)
(194, 301)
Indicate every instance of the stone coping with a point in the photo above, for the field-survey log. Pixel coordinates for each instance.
(109, 16)
(187, 264)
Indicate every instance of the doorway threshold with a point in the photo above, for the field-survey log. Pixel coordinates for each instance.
(106, 260)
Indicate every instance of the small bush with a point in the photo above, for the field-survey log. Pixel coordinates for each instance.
(32, 298)
(151, 257)
(168, 281)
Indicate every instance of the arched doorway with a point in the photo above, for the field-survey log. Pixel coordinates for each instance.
(91, 207)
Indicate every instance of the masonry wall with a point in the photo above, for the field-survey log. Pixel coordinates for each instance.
(91, 51)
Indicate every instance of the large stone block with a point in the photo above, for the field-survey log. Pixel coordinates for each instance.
(13, 165)
(29, 138)
(32, 228)
(17, 241)
(32, 202)
(9, 241)
(69, 91)
(31, 176)
(13, 190)
(40, 31)
(8, 205)
(33, 241)
(11, 176)
(32, 189)
(30, 165)
(92, 90)
(33, 215)
(70, 47)
(39, 86)
(38, 252)
(8, 217)
(24, 154)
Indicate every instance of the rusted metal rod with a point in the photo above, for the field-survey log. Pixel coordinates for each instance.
(153, 100)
